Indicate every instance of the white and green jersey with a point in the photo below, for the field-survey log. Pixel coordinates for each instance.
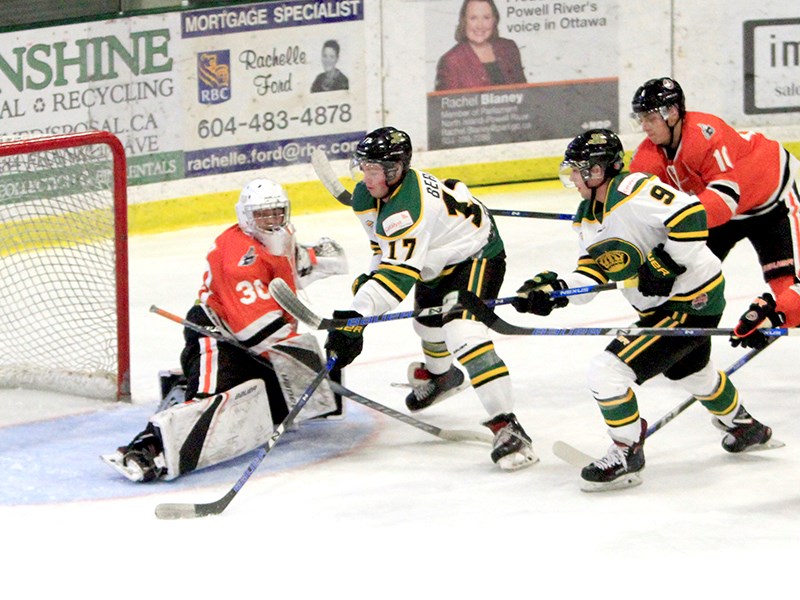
(638, 213)
(419, 234)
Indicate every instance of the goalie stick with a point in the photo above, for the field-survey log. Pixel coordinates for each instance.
(324, 171)
(171, 510)
(470, 302)
(577, 458)
(452, 435)
(284, 295)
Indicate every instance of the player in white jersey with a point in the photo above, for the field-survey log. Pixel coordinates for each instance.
(637, 226)
(436, 238)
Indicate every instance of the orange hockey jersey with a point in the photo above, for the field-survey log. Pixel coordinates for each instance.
(732, 173)
(235, 288)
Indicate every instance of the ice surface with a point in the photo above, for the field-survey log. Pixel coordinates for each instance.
(369, 507)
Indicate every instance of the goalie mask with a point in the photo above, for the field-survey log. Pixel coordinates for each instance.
(263, 213)
(388, 147)
(595, 147)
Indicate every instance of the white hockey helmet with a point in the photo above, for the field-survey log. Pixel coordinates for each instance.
(263, 211)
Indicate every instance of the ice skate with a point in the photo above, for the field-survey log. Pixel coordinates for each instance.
(141, 460)
(746, 434)
(512, 448)
(620, 468)
(428, 389)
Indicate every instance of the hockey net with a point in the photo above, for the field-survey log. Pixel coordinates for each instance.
(64, 265)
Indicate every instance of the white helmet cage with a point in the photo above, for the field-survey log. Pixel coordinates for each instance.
(263, 211)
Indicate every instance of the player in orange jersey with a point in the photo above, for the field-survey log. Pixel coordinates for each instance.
(747, 184)
(225, 401)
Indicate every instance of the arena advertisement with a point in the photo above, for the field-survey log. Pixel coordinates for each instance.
(196, 92)
(771, 61)
(274, 81)
(66, 79)
(509, 71)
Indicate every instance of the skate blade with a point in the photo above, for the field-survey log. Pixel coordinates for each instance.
(620, 483)
(133, 473)
(517, 461)
(770, 444)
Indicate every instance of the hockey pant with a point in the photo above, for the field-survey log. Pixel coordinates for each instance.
(218, 424)
(461, 335)
(775, 236)
(633, 359)
(212, 366)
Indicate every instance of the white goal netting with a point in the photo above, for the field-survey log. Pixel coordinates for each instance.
(63, 266)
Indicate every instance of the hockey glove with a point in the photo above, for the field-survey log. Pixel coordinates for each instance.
(347, 341)
(658, 273)
(330, 257)
(534, 295)
(746, 332)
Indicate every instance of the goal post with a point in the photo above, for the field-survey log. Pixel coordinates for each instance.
(64, 323)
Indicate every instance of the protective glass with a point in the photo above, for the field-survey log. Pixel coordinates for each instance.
(638, 119)
(390, 168)
(568, 166)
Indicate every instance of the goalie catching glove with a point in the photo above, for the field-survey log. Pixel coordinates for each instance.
(746, 332)
(324, 258)
(658, 273)
(347, 341)
(534, 295)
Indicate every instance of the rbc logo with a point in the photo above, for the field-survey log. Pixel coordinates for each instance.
(214, 76)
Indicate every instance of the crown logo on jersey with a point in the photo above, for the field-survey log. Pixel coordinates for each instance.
(613, 261)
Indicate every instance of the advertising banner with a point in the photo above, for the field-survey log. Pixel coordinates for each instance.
(196, 92)
(273, 81)
(771, 63)
(506, 71)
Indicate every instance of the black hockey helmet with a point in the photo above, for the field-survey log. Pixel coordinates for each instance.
(658, 94)
(387, 146)
(594, 147)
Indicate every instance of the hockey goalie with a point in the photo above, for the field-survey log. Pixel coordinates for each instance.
(226, 401)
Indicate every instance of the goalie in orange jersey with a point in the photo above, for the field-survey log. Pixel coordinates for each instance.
(747, 184)
(224, 402)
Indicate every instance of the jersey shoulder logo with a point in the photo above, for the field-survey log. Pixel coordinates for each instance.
(707, 130)
(249, 257)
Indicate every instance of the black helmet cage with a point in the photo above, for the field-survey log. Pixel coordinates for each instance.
(386, 146)
(595, 147)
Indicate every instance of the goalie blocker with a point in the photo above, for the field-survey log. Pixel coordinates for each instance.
(184, 436)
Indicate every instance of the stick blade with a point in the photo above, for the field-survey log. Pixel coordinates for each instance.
(173, 511)
(328, 178)
(464, 435)
(289, 301)
(571, 455)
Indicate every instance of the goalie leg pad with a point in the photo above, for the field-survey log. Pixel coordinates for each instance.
(297, 360)
(212, 430)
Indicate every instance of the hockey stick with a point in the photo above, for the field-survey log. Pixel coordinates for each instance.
(570, 454)
(328, 178)
(473, 304)
(324, 171)
(190, 511)
(452, 435)
(284, 295)
(531, 214)
(691, 399)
